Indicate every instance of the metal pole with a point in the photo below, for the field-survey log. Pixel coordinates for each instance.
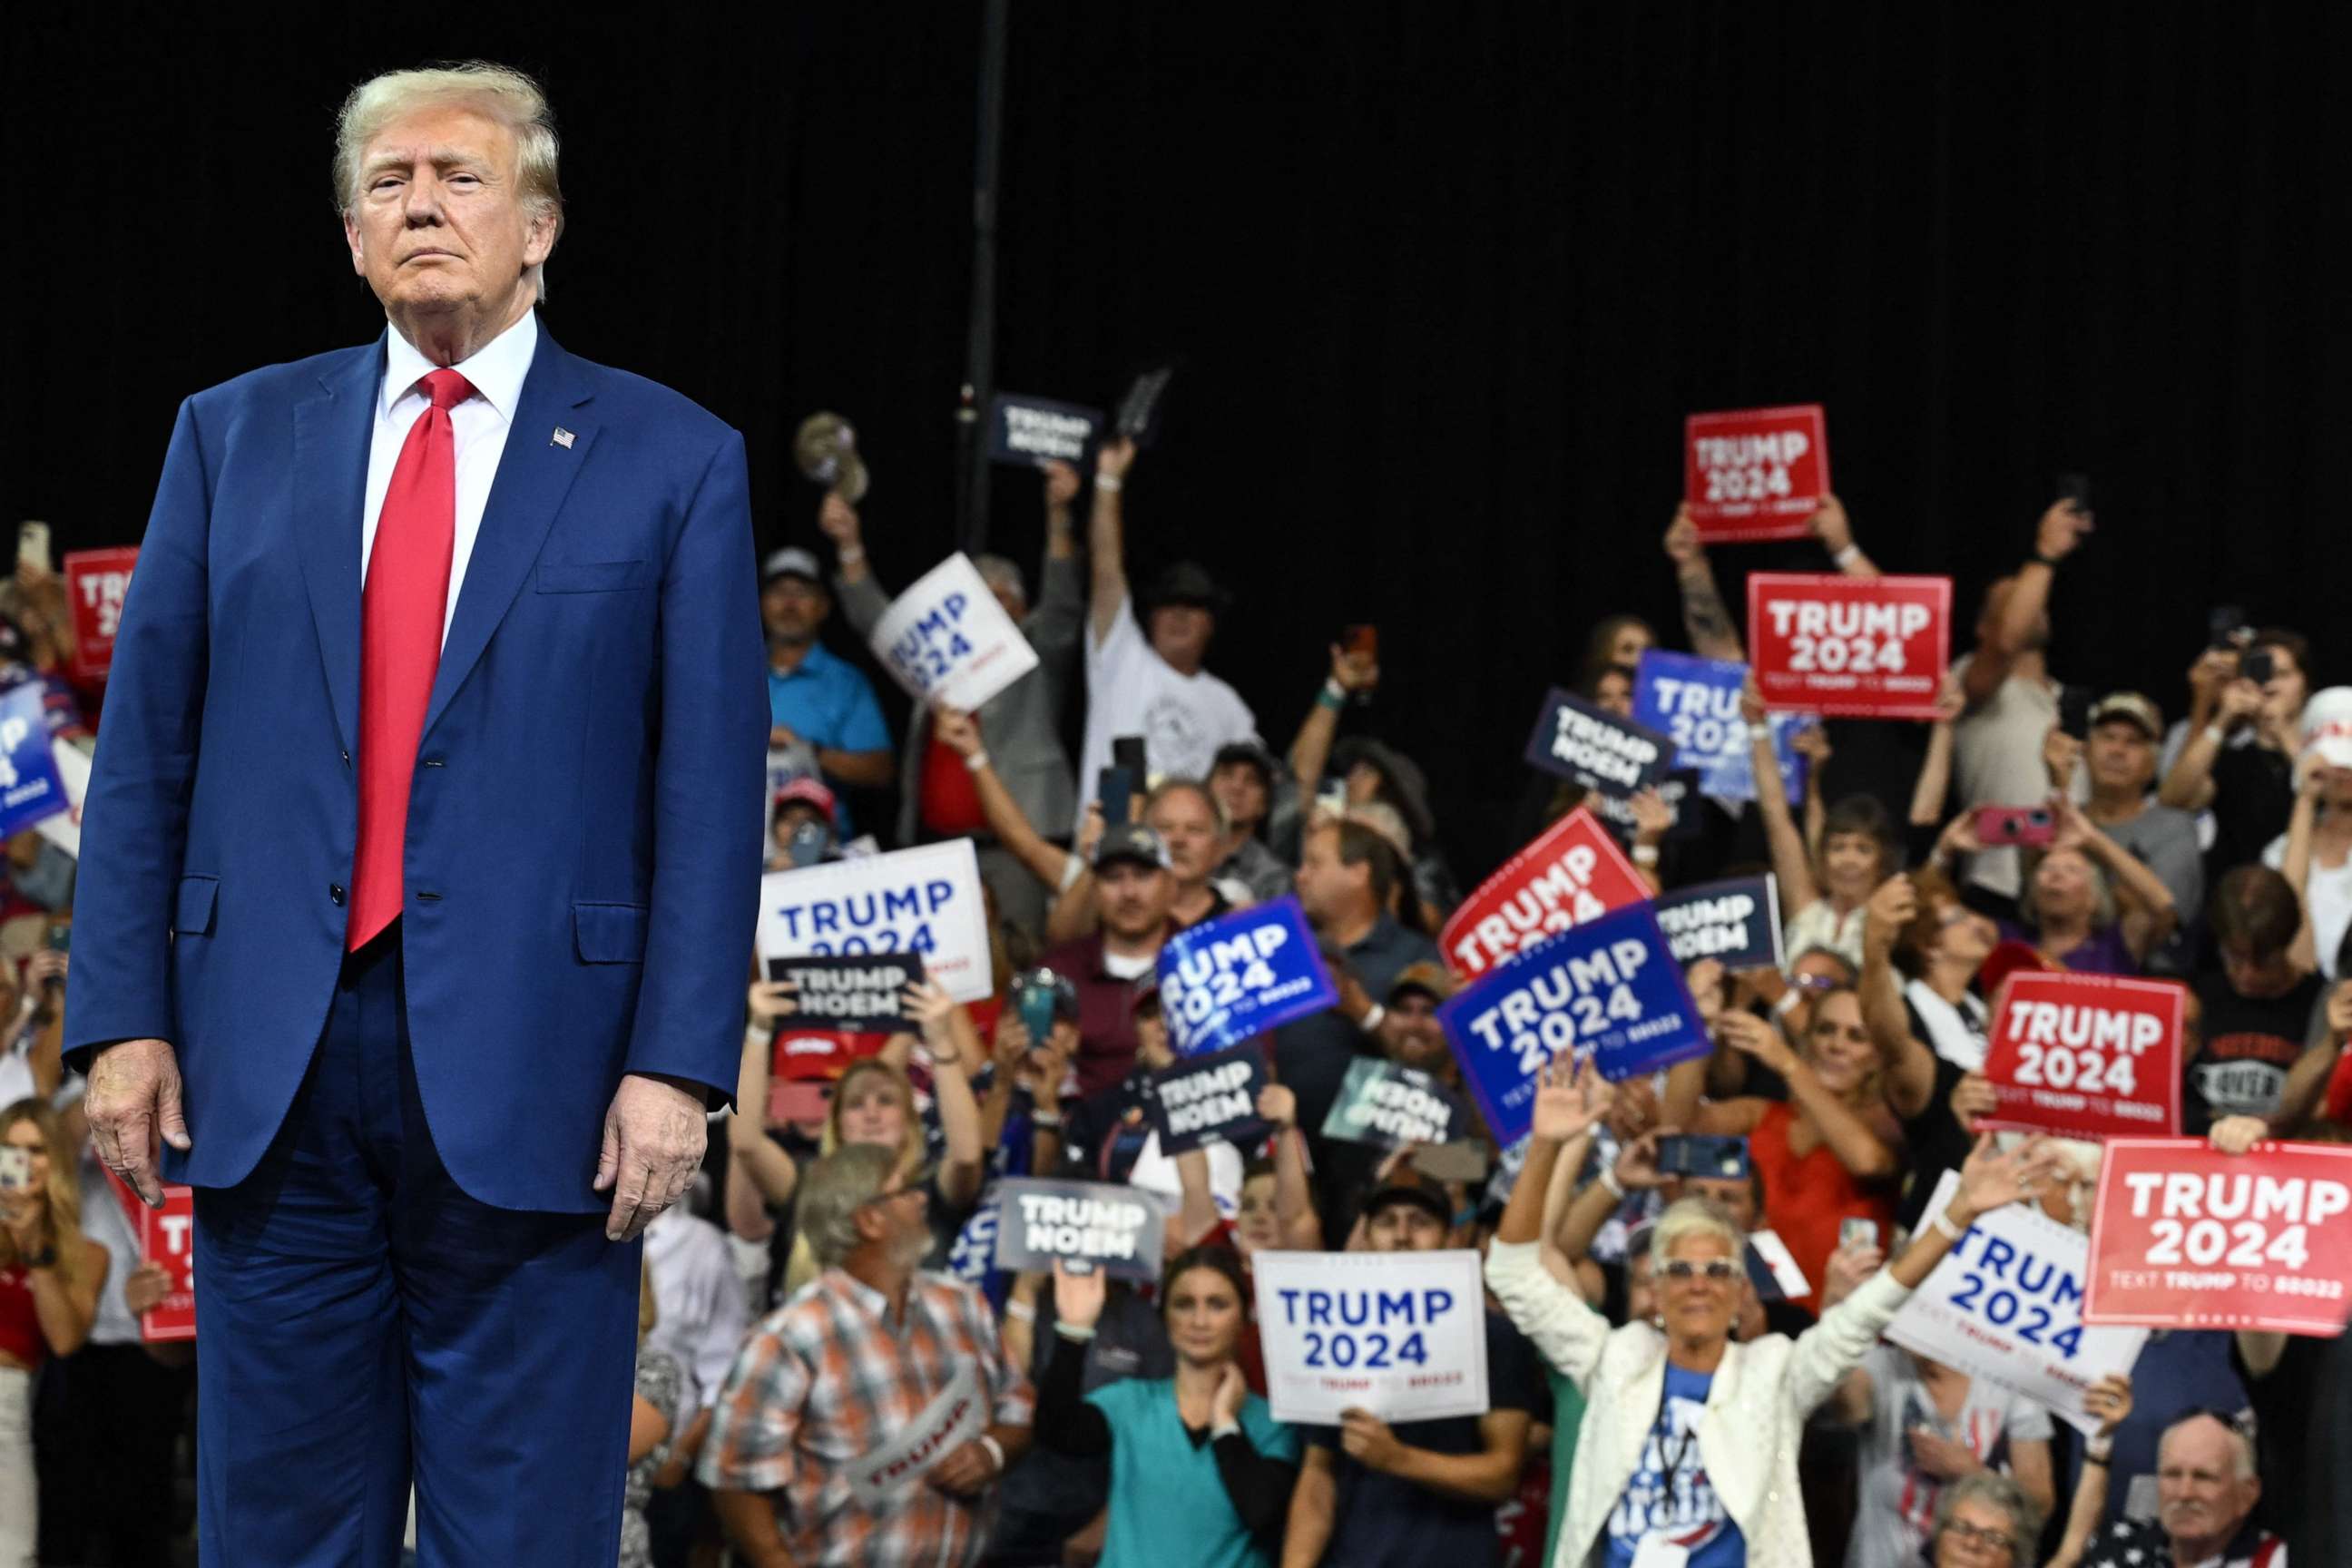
(979, 344)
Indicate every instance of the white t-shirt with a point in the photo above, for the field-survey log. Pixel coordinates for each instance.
(1896, 1505)
(2330, 899)
(1131, 690)
(1996, 761)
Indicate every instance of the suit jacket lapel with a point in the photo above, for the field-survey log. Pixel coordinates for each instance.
(331, 436)
(534, 474)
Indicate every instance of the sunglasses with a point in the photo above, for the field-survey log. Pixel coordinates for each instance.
(1716, 1270)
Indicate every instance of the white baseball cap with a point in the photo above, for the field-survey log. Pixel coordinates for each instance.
(2327, 726)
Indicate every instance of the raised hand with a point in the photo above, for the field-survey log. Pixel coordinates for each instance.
(1114, 458)
(1061, 483)
(1569, 1098)
(1891, 908)
(1830, 525)
(1973, 1097)
(839, 519)
(1653, 817)
(773, 999)
(1992, 1179)
(1637, 1163)
(1683, 543)
(930, 1006)
(1278, 1103)
(1078, 1297)
(2109, 1401)
(958, 730)
(2061, 754)
(2059, 531)
(1354, 671)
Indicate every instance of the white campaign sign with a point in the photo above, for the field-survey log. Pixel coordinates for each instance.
(1400, 1334)
(949, 1421)
(948, 641)
(73, 767)
(924, 900)
(2006, 1303)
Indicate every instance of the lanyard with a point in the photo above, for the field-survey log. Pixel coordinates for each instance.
(1672, 1466)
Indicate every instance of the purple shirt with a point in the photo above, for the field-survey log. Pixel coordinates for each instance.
(2105, 953)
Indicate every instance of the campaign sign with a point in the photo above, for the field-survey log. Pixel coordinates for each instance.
(1678, 791)
(1401, 1335)
(953, 1418)
(1759, 473)
(167, 1239)
(2087, 1056)
(31, 788)
(1609, 989)
(2185, 1237)
(1209, 1100)
(1696, 702)
(2006, 1304)
(1572, 872)
(924, 901)
(1594, 747)
(96, 581)
(63, 829)
(1388, 1106)
(1736, 922)
(946, 641)
(1240, 974)
(857, 995)
(1118, 1229)
(1032, 430)
(1828, 644)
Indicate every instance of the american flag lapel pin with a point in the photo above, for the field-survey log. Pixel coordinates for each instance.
(563, 437)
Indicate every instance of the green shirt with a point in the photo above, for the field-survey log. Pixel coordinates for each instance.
(1168, 1504)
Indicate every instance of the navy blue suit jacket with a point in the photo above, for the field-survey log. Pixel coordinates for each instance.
(582, 871)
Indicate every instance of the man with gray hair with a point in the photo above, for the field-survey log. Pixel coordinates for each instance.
(868, 1418)
(414, 895)
(2206, 1488)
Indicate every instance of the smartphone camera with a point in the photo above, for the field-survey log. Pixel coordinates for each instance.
(2258, 666)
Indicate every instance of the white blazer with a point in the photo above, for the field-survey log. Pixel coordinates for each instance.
(1748, 1434)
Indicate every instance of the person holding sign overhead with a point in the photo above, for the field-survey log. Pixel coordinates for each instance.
(1823, 883)
(1687, 1453)
(1205, 1488)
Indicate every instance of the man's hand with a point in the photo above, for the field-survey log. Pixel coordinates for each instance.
(1683, 543)
(1830, 525)
(839, 519)
(1355, 672)
(133, 1097)
(2059, 531)
(1114, 458)
(144, 1287)
(966, 1472)
(1061, 484)
(1368, 1441)
(653, 1136)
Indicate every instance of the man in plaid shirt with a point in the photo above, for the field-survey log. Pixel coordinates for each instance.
(877, 1404)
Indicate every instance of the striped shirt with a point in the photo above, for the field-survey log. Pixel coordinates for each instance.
(826, 1379)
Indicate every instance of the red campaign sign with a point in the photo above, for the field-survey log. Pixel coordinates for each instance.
(96, 581)
(1759, 473)
(1573, 873)
(1821, 643)
(167, 1239)
(2185, 1237)
(2086, 1056)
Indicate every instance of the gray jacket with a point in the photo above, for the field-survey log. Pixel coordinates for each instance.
(1022, 723)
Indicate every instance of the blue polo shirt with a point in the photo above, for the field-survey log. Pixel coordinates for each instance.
(829, 702)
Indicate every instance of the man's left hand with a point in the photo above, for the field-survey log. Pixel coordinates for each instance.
(1368, 1440)
(966, 1472)
(653, 1136)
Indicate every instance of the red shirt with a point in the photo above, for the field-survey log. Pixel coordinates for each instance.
(1805, 1198)
(949, 801)
(20, 1325)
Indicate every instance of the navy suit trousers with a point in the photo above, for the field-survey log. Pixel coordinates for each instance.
(363, 1321)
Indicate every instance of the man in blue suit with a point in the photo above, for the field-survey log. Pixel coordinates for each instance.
(418, 879)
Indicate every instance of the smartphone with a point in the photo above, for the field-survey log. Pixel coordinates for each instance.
(33, 545)
(808, 843)
(1361, 640)
(1695, 1154)
(60, 936)
(2258, 666)
(2029, 826)
(15, 1168)
(1857, 1233)
(2075, 489)
(1115, 787)
(1038, 1012)
(1126, 752)
(1464, 1161)
(2074, 711)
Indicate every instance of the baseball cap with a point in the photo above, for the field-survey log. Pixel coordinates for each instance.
(790, 562)
(1253, 751)
(1419, 1192)
(1131, 841)
(2132, 705)
(1429, 978)
(2327, 726)
(806, 790)
(1187, 583)
(1408, 785)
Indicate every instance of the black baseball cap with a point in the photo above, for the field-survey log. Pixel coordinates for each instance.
(1415, 1190)
(1187, 583)
(1134, 842)
(1251, 752)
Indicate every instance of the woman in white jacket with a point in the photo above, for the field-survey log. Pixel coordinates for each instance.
(1688, 1456)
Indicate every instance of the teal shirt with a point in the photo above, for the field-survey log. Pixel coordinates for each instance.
(1168, 1504)
(1567, 1420)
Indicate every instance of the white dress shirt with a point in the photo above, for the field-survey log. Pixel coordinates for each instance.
(480, 424)
(700, 1313)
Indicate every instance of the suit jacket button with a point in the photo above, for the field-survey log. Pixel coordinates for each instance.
(335, 892)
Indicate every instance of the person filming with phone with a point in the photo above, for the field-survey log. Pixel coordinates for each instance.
(51, 1276)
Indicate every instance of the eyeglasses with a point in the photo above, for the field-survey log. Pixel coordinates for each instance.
(1813, 981)
(1716, 1270)
(1978, 1535)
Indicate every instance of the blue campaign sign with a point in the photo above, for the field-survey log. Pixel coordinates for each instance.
(1606, 754)
(1695, 703)
(1240, 974)
(1608, 988)
(30, 789)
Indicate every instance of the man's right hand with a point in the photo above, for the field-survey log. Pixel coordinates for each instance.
(1115, 456)
(2060, 529)
(133, 1097)
(839, 521)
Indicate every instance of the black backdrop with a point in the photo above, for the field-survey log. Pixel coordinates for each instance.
(1444, 280)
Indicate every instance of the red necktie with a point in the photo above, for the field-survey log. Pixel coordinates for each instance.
(401, 614)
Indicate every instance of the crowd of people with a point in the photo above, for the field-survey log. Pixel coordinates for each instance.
(831, 1368)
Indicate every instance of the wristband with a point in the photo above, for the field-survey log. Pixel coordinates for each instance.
(1333, 696)
(1105, 482)
(1848, 556)
(977, 760)
(1645, 853)
(1047, 1119)
(1943, 1223)
(2046, 560)
(1760, 733)
(1370, 1021)
(2215, 733)
(1021, 1312)
(1072, 869)
(1224, 1429)
(995, 1450)
(2098, 1451)
(1074, 1334)
(1615, 1188)
(1790, 1000)
(850, 554)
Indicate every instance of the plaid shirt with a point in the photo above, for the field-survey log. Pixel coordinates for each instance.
(826, 1379)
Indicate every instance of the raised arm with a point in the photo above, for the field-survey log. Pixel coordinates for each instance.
(1048, 862)
(2147, 915)
(1909, 1065)
(1705, 616)
(1106, 539)
(863, 599)
(2018, 618)
(1858, 1149)
(1311, 749)
(1830, 525)
(960, 1166)
(1791, 864)
(2296, 866)
(2109, 1399)
(1294, 1192)
(769, 1173)
(1053, 623)
(1564, 1330)
(1929, 790)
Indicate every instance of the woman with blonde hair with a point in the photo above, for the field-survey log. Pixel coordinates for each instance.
(50, 1275)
